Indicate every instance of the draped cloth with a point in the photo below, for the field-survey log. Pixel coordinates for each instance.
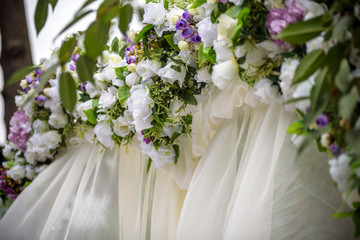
(237, 178)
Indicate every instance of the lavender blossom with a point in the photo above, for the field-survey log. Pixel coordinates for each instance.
(72, 67)
(38, 72)
(26, 90)
(186, 33)
(40, 98)
(20, 128)
(130, 59)
(186, 15)
(83, 87)
(334, 149)
(181, 24)
(196, 38)
(28, 79)
(322, 120)
(75, 57)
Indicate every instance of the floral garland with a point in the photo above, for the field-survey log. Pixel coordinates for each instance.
(301, 53)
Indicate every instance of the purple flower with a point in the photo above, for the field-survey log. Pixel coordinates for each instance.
(147, 140)
(75, 57)
(322, 120)
(130, 59)
(72, 67)
(2, 185)
(278, 19)
(20, 128)
(186, 15)
(28, 79)
(129, 51)
(13, 196)
(196, 38)
(40, 98)
(8, 191)
(36, 82)
(181, 24)
(223, 1)
(334, 149)
(83, 87)
(186, 33)
(3, 173)
(26, 90)
(38, 71)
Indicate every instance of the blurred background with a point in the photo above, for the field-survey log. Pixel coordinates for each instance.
(41, 45)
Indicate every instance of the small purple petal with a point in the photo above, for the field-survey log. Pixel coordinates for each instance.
(3, 173)
(196, 38)
(186, 33)
(26, 90)
(186, 15)
(28, 79)
(334, 149)
(38, 71)
(322, 120)
(8, 191)
(13, 196)
(83, 87)
(181, 24)
(75, 57)
(130, 59)
(40, 98)
(72, 67)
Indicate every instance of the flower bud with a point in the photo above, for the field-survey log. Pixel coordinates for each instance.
(184, 46)
(23, 84)
(132, 67)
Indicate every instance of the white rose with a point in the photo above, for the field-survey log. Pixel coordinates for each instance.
(40, 126)
(117, 82)
(340, 171)
(155, 14)
(226, 28)
(18, 158)
(203, 75)
(51, 139)
(108, 74)
(30, 172)
(114, 60)
(17, 172)
(81, 107)
(104, 134)
(266, 91)
(140, 105)
(122, 126)
(170, 75)
(58, 120)
(223, 53)
(53, 93)
(314, 44)
(148, 68)
(55, 107)
(92, 90)
(164, 154)
(104, 58)
(207, 31)
(132, 79)
(8, 151)
(30, 157)
(303, 90)
(107, 98)
(224, 73)
(100, 82)
(287, 74)
(312, 9)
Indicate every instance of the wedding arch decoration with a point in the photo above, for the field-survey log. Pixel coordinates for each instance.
(141, 89)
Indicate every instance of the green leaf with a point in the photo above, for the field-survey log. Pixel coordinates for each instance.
(170, 40)
(242, 17)
(94, 103)
(301, 32)
(342, 214)
(308, 65)
(174, 136)
(233, 11)
(123, 94)
(319, 97)
(91, 115)
(108, 10)
(119, 72)
(125, 16)
(166, 4)
(198, 3)
(85, 67)
(77, 17)
(187, 119)
(296, 128)
(20, 74)
(115, 45)
(341, 28)
(148, 165)
(95, 38)
(356, 220)
(342, 76)
(53, 3)
(67, 91)
(67, 50)
(176, 68)
(347, 105)
(157, 118)
(210, 54)
(188, 97)
(122, 52)
(177, 152)
(143, 32)
(353, 140)
(41, 14)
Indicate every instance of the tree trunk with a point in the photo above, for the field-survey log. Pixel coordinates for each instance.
(16, 51)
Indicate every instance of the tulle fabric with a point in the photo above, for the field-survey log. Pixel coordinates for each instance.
(250, 185)
(92, 193)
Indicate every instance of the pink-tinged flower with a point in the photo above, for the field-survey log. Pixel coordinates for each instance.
(278, 19)
(20, 128)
